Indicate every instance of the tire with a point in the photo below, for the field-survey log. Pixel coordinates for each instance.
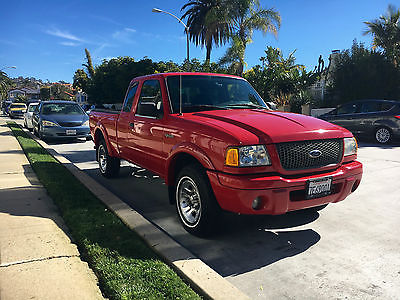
(197, 208)
(383, 135)
(109, 166)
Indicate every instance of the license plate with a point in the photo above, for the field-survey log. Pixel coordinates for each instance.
(319, 187)
(70, 132)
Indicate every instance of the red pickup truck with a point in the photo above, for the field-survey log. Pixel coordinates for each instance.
(218, 147)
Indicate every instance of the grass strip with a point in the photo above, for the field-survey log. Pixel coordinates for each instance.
(125, 266)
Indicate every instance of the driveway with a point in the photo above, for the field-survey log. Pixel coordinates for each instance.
(348, 250)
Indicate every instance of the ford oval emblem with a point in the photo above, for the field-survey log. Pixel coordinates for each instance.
(314, 153)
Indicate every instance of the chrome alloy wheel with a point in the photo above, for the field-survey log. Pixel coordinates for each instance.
(189, 202)
(102, 157)
(382, 135)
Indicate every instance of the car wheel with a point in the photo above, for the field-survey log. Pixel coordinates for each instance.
(109, 166)
(383, 135)
(26, 126)
(196, 205)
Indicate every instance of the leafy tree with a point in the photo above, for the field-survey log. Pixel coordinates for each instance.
(280, 79)
(207, 23)
(245, 17)
(89, 64)
(56, 91)
(361, 73)
(5, 84)
(386, 34)
(80, 80)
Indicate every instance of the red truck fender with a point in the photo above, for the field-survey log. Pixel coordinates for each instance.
(185, 153)
(100, 132)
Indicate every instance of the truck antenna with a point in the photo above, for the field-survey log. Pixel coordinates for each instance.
(180, 94)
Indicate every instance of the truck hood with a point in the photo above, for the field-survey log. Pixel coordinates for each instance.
(270, 126)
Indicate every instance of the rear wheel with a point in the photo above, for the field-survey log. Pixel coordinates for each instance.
(195, 202)
(109, 166)
(383, 135)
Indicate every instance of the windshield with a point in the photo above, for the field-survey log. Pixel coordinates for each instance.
(202, 92)
(18, 106)
(32, 107)
(62, 109)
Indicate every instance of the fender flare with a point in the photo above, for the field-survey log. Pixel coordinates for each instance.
(100, 127)
(190, 149)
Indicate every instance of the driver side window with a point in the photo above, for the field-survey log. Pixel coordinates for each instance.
(150, 101)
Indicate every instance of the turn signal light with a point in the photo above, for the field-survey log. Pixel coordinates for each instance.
(232, 157)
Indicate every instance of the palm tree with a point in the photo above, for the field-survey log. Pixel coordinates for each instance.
(207, 23)
(386, 34)
(245, 17)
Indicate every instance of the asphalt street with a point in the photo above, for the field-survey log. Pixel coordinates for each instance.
(348, 250)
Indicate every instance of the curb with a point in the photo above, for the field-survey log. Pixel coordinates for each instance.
(201, 277)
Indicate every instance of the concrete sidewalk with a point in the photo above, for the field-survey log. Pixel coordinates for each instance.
(37, 258)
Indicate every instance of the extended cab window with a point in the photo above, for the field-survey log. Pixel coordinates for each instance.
(129, 98)
(150, 101)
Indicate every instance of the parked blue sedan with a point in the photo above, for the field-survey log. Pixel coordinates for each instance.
(60, 119)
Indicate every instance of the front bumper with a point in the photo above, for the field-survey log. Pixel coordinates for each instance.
(279, 195)
(65, 132)
(16, 113)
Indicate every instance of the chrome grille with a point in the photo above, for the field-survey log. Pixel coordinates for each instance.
(296, 155)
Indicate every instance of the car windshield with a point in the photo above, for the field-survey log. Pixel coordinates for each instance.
(62, 109)
(203, 92)
(32, 107)
(18, 106)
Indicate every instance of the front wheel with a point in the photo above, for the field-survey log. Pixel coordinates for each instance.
(195, 202)
(109, 166)
(383, 135)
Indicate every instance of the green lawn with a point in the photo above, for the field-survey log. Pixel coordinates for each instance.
(125, 266)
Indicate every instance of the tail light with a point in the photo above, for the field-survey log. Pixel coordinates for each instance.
(398, 117)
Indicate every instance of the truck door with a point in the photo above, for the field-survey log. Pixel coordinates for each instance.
(124, 121)
(148, 128)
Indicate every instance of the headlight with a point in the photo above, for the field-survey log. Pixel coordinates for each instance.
(247, 156)
(350, 146)
(49, 123)
(86, 123)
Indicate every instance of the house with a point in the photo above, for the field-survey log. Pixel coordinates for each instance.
(81, 98)
(29, 93)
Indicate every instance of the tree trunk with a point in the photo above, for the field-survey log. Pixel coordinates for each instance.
(208, 53)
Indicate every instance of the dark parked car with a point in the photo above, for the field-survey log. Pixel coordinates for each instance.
(379, 119)
(60, 119)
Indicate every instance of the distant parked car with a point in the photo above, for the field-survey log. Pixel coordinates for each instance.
(60, 119)
(16, 110)
(28, 115)
(379, 119)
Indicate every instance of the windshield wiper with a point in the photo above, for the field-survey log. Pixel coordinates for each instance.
(247, 105)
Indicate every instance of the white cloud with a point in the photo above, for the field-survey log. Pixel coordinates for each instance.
(130, 30)
(124, 35)
(70, 44)
(63, 34)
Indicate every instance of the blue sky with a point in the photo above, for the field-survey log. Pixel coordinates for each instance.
(46, 39)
